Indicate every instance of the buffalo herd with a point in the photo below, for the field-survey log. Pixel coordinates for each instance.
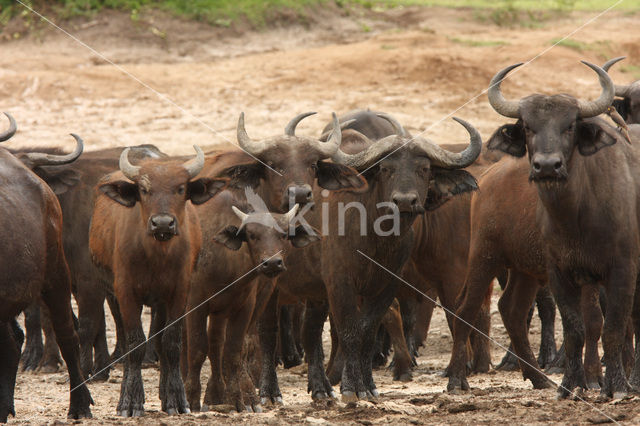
(243, 254)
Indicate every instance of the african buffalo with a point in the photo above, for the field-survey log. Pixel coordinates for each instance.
(37, 269)
(281, 169)
(147, 234)
(409, 176)
(587, 210)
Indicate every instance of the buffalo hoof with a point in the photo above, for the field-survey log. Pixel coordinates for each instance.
(291, 361)
(257, 408)
(372, 396)
(403, 377)
(275, 401)
(79, 404)
(457, 385)
(131, 413)
(593, 385)
(349, 397)
(31, 358)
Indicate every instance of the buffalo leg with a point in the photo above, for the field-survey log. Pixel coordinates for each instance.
(172, 395)
(267, 334)
(402, 362)
(215, 392)
(50, 361)
(121, 338)
(288, 351)
(343, 303)
(9, 359)
(57, 297)
(150, 352)
(478, 280)
(547, 313)
(131, 403)
(634, 379)
(567, 296)
(34, 348)
(336, 358)
(196, 349)
(314, 319)
(102, 362)
(232, 367)
(592, 317)
(372, 311)
(509, 361)
(520, 292)
(620, 293)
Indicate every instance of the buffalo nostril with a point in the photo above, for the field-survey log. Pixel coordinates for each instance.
(414, 201)
(557, 165)
(536, 166)
(279, 263)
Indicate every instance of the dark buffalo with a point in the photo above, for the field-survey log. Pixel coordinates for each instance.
(147, 233)
(37, 268)
(411, 176)
(283, 169)
(587, 211)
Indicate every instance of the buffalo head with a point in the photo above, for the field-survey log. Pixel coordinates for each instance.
(549, 128)
(290, 164)
(266, 235)
(162, 188)
(413, 173)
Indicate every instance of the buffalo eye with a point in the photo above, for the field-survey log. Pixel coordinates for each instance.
(252, 236)
(181, 189)
(144, 191)
(385, 170)
(314, 167)
(571, 128)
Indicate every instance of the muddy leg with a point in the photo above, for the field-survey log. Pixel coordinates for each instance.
(150, 353)
(196, 349)
(10, 344)
(34, 348)
(314, 318)
(521, 291)
(592, 317)
(547, 314)
(267, 332)
(336, 359)
(288, 351)
(402, 362)
(215, 392)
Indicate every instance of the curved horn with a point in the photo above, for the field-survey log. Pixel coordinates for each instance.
(332, 145)
(194, 166)
(288, 216)
(245, 142)
(498, 102)
(291, 127)
(41, 159)
(600, 105)
(12, 128)
(439, 157)
(610, 62)
(343, 125)
(451, 160)
(128, 169)
(397, 127)
(241, 215)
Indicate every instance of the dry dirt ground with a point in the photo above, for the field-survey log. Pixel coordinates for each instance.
(177, 83)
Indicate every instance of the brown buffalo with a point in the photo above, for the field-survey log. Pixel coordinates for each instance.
(588, 183)
(33, 241)
(147, 233)
(280, 169)
(74, 185)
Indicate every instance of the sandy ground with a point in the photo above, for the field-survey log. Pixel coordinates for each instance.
(177, 83)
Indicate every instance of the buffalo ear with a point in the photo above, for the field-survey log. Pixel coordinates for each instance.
(125, 193)
(445, 184)
(335, 176)
(202, 190)
(510, 139)
(230, 237)
(592, 137)
(59, 181)
(243, 175)
(302, 238)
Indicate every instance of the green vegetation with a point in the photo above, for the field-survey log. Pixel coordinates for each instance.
(478, 43)
(571, 44)
(631, 69)
(261, 12)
